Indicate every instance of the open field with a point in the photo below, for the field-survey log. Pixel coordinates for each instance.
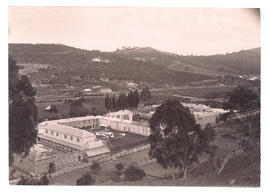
(198, 92)
(90, 103)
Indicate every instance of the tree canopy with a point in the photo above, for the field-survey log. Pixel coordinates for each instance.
(145, 94)
(176, 140)
(131, 100)
(242, 98)
(22, 113)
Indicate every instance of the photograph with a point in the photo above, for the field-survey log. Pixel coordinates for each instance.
(134, 96)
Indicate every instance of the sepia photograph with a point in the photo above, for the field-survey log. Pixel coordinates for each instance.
(134, 96)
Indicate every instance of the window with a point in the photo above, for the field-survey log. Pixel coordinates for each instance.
(78, 140)
(46, 131)
(65, 136)
(57, 134)
(71, 138)
(51, 132)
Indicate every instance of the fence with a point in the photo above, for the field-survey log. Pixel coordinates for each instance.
(102, 158)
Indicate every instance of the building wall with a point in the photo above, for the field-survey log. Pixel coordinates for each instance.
(42, 166)
(71, 139)
(126, 127)
(89, 123)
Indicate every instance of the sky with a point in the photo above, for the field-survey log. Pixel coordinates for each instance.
(185, 31)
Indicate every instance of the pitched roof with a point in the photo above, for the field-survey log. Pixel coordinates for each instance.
(66, 129)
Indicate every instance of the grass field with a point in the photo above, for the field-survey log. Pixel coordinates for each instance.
(92, 102)
(198, 92)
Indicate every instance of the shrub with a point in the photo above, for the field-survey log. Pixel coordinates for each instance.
(119, 166)
(86, 179)
(95, 166)
(51, 167)
(133, 173)
(33, 181)
(44, 180)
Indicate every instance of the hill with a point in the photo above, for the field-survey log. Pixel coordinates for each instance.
(235, 63)
(65, 62)
(60, 64)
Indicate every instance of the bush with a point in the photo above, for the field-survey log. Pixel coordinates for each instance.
(95, 166)
(119, 166)
(44, 180)
(133, 173)
(51, 167)
(86, 179)
(33, 181)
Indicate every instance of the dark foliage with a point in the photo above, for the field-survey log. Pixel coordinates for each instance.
(145, 94)
(22, 113)
(86, 179)
(119, 166)
(133, 173)
(242, 99)
(51, 167)
(176, 140)
(77, 109)
(34, 181)
(95, 166)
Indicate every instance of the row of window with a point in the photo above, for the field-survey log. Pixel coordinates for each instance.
(65, 136)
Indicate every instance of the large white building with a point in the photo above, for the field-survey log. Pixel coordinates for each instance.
(65, 135)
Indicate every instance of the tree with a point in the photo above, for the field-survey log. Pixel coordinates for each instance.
(22, 113)
(86, 179)
(77, 109)
(242, 99)
(137, 98)
(113, 105)
(145, 94)
(107, 102)
(176, 140)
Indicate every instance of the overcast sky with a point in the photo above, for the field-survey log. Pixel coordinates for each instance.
(199, 31)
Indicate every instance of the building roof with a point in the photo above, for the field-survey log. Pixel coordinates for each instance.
(97, 151)
(66, 129)
(69, 144)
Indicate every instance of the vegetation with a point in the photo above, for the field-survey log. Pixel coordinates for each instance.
(51, 167)
(22, 113)
(145, 94)
(95, 166)
(133, 173)
(119, 166)
(176, 140)
(86, 179)
(76, 62)
(77, 109)
(242, 99)
(131, 100)
(34, 181)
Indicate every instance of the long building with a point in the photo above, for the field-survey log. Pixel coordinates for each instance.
(60, 135)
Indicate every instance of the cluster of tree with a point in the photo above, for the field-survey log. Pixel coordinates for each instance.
(34, 181)
(242, 99)
(145, 95)
(131, 100)
(176, 140)
(77, 109)
(22, 113)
